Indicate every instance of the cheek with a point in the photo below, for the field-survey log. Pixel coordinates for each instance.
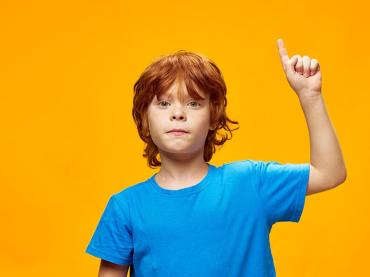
(151, 116)
(205, 118)
(202, 122)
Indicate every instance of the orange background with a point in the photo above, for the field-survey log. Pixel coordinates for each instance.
(68, 140)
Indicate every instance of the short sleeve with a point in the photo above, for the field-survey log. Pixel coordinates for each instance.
(112, 239)
(282, 188)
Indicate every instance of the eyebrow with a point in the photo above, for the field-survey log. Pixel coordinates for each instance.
(169, 96)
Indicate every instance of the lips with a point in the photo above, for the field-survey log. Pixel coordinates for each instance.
(177, 130)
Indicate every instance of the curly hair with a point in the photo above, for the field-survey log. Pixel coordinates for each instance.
(197, 71)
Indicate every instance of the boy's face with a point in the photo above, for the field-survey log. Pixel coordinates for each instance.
(170, 111)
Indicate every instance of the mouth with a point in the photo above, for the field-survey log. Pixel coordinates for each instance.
(177, 132)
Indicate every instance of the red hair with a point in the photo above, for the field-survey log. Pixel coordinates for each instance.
(197, 71)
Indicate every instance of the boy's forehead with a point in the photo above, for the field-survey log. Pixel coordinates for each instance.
(179, 90)
(176, 94)
(181, 95)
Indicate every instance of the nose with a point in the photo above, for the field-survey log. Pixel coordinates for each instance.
(178, 113)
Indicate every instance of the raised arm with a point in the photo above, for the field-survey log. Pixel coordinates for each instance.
(327, 168)
(108, 269)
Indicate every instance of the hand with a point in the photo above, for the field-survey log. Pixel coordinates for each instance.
(303, 73)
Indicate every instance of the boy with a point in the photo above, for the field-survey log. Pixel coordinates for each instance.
(193, 218)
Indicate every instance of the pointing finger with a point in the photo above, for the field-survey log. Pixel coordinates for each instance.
(282, 51)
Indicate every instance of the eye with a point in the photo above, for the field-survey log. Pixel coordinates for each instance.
(163, 101)
(197, 104)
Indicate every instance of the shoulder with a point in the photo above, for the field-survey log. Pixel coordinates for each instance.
(241, 166)
(130, 191)
(124, 199)
(240, 170)
(250, 168)
(258, 166)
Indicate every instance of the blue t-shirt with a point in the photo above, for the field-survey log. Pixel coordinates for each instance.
(218, 227)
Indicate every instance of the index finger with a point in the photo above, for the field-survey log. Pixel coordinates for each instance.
(282, 51)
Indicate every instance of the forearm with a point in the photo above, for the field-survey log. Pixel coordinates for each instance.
(108, 269)
(325, 152)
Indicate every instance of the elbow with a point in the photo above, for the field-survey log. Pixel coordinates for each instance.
(342, 178)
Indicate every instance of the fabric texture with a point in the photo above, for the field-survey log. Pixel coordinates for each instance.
(219, 226)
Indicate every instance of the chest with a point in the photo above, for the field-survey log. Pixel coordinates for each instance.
(194, 217)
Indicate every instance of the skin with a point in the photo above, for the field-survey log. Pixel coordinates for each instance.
(108, 269)
(181, 156)
(327, 167)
